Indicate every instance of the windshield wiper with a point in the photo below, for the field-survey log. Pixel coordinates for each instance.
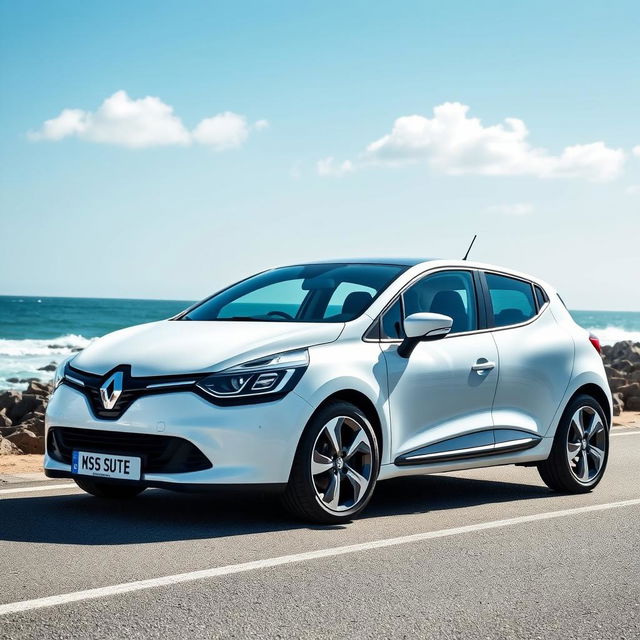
(244, 318)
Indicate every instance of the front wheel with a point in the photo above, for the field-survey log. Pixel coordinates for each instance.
(580, 449)
(108, 489)
(336, 466)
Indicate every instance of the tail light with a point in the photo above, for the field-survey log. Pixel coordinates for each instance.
(595, 341)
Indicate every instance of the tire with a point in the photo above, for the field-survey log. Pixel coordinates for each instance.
(333, 476)
(111, 490)
(582, 430)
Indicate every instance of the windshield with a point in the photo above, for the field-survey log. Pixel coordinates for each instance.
(304, 293)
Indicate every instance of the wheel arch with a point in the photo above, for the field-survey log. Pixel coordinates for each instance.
(364, 403)
(598, 394)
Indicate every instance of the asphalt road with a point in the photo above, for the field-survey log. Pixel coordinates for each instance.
(494, 554)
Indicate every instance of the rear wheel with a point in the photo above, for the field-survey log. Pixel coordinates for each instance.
(336, 466)
(108, 489)
(580, 449)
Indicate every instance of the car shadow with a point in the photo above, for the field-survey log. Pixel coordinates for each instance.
(161, 516)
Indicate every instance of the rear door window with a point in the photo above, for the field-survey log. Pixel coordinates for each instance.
(512, 300)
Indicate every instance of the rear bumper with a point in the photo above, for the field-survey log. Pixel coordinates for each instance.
(246, 445)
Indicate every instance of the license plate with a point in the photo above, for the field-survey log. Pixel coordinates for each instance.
(106, 465)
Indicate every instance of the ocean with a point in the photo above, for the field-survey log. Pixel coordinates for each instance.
(35, 332)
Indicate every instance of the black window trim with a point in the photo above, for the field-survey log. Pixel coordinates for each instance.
(374, 331)
(483, 304)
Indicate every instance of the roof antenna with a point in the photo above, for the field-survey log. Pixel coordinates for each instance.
(471, 245)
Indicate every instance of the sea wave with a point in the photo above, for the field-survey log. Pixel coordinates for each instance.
(610, 335)
(61, 345)
(29, 358)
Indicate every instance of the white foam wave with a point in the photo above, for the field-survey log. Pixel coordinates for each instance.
(610, 335)
(49, 347)
(22, 360)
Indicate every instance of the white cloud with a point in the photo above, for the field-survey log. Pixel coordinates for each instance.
(455, 144)
(517, 209)
(145, 122)
(329, 167)
(70, 122)
(636, 150)
(633, 189)
(259, 125)
(224, 131)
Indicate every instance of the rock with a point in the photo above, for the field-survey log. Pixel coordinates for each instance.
(9, 398)
(5, 421)
(618, 404)
(629, 390)
(632, 403)
(27, 441)
(49, 367)
(28, 402)
(34, 423)
(626, 349)
(13, 380)
(616, 383)
(7, 447)
(624, 366)
(611, 372)
(39, 388)
(634, 376)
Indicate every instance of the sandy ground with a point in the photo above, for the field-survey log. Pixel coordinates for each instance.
(33, 463)
(20, 464)
(627, 419)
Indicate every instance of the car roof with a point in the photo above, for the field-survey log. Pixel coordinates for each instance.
(414, 264)
(402, 262)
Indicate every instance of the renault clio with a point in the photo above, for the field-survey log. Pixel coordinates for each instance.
(318, 380)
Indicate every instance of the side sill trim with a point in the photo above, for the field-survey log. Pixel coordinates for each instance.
(508, 446)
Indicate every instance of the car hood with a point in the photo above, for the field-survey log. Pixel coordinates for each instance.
(174, 347)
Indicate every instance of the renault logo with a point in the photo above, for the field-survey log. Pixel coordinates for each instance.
(111, 389)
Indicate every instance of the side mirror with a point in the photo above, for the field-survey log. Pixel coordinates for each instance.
(421, 327)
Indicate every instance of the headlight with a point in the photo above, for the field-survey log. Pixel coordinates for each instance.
(262, 379)
(58, 376)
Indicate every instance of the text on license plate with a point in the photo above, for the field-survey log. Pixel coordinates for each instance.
(106, 465)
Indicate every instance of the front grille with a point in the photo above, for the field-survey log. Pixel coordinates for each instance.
(133, 388)
(160, 454)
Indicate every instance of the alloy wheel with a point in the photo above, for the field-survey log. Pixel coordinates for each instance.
(586, 444)
(341, 466)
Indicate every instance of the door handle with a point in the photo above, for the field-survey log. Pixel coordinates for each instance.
(482, 366)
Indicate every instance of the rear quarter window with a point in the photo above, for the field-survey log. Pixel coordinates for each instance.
(512, 300)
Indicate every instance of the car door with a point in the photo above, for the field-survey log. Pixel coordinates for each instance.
(440, 397)
(535, 353)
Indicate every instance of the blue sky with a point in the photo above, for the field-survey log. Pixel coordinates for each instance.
(174, 204)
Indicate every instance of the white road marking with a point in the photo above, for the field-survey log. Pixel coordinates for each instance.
(629, 433)
(128, 587)
(45, 487)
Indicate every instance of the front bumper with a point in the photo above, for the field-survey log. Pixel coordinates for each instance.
(246, 444)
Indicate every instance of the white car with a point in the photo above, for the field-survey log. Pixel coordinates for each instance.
(318, 380)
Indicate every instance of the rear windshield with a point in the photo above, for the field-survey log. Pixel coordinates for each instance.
(304, 293)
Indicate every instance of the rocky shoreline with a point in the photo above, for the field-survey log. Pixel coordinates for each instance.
(22, 412)
(22, 419)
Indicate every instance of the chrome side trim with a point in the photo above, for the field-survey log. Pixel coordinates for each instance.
(470, 452)
(74, 380)
(448, 454)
